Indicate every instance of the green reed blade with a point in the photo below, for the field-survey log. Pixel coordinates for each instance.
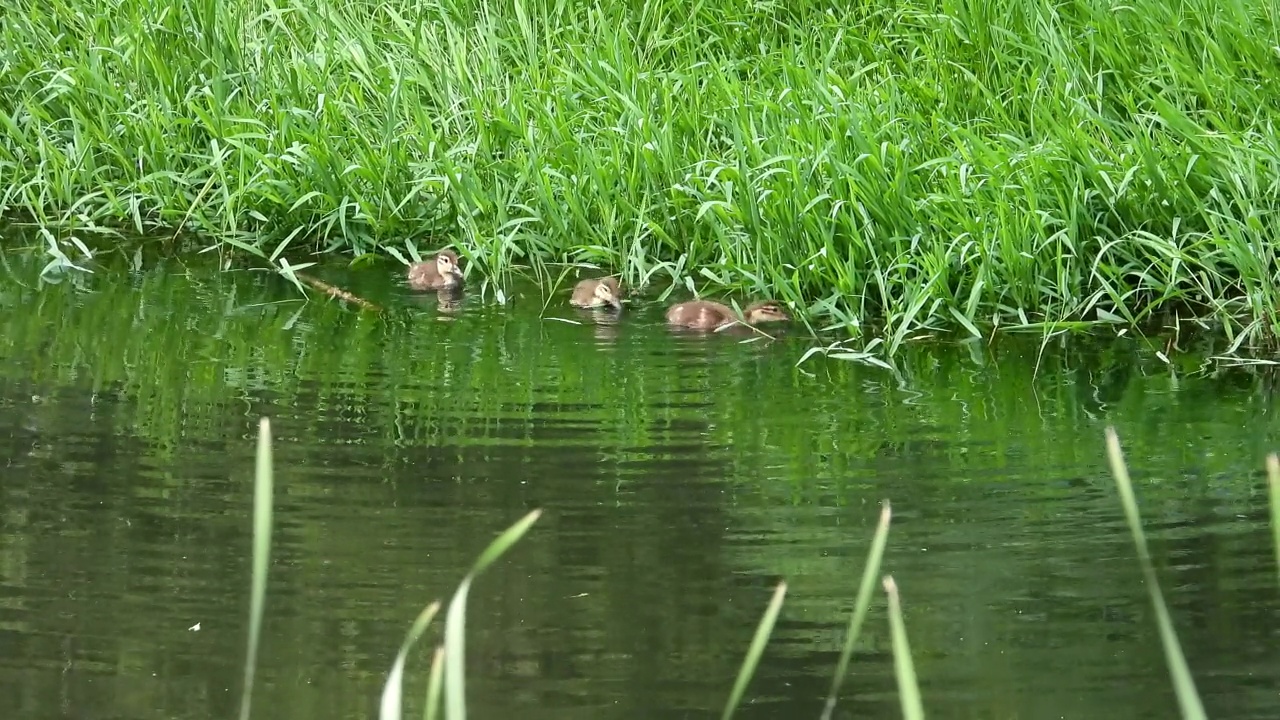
(435, 685)
(860, 606)
(754, 652)
(389, 708)
(262, 495)
(1183, 684)
(904, 668)
(1273, 491)
(455, 619)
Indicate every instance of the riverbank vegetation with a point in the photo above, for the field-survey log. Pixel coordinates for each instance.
(890, 167)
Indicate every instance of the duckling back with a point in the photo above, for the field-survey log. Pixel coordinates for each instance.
(699, 315)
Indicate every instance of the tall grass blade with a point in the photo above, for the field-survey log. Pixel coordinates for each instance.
(908, 687)
(1183, 684)
(392, 692)
(435, 685)
(754, 652)
(262, 493)
(863, 602)
(1273, 490)
(455, 619)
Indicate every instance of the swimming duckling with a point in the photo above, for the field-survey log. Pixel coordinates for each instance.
(708, 315)
(442, 271)
(597, 293)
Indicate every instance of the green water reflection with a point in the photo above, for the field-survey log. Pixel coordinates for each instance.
(681, 478)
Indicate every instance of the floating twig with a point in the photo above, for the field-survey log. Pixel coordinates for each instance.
(336, 292)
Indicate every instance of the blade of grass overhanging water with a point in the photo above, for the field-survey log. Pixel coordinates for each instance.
(262, 493)
(435, 684)
(756, 650)
(389, 709)
(455, 705)
(860, 606)
(904, 669)
(1273, 491)
(1183, 684)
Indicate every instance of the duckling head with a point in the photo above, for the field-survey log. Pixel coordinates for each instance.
(447, 264)
(608, 292)
(764, 312)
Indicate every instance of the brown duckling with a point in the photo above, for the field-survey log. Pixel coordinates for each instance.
(708, 315)
(442, 271)
(597, 293)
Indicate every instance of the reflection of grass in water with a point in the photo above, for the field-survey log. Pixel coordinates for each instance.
(446, 679)
(226, 341)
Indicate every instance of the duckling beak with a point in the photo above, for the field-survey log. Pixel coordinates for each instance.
(615, 302)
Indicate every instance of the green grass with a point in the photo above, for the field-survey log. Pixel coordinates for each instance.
(889, 168)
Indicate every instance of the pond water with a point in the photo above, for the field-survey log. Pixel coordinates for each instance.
(681, 478)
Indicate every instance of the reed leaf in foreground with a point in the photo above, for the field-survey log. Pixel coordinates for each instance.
(262, 494)
(754, 652)
(448, 659)
(435, 686)
(1183, 684)
(1273, 491)
(860, 606)
(455, 619)
(904, 669)
(389, 708)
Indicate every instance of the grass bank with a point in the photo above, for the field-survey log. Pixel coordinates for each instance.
(942, 164)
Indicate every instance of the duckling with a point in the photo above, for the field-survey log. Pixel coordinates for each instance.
(708, 315)
(597, 293)
(442, 271)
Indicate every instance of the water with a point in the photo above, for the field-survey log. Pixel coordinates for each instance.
(681, 477)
